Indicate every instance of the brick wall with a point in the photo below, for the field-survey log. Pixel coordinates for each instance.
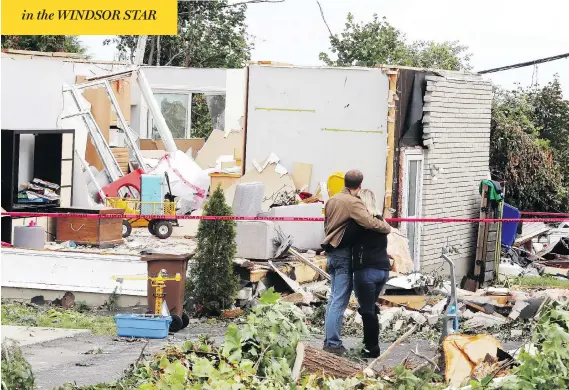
(456, 120)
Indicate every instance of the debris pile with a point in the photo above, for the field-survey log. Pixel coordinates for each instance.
(39, 192)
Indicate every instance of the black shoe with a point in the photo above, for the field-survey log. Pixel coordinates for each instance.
(371, 353)
(340, 351)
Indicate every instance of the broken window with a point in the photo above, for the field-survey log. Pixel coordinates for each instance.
(174, 108)
(207, 113)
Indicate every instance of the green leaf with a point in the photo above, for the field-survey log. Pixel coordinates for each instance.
(202, 368)
(164, 362)
(269, 297)
(176, 373)
(232, 345)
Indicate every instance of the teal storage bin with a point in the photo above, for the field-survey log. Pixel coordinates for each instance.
(136, 325)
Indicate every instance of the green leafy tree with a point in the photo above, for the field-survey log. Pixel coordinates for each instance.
(201, 118)
(213, 283)
(534, 179)
(378, 42)
(211, 34)
(45, 43)
(550, 114)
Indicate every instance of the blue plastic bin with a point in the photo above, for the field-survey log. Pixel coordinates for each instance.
(509, 229)
(135, 325)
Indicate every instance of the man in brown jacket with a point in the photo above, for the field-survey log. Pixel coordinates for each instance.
(340, 210)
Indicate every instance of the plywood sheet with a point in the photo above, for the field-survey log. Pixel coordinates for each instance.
(301, 173)
(273, 184)
(121, 88)
(217, 145)
(101, 111)
(122, 157)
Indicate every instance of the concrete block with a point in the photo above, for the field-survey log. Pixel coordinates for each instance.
(255, 240)
(305, 235)
(248, 199)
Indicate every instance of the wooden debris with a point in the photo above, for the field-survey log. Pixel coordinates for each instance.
(317, 361)
(297, 367)
(231, 313)
(291, 283)
(463, 353)
(299, 297)
(304, 260)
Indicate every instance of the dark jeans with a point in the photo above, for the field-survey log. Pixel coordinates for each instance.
(339, 268)
(368, 283)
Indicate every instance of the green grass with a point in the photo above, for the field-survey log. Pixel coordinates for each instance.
(540, 281)
(24, 315)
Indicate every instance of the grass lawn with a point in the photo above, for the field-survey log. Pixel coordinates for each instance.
(50, 317)
(540, 281)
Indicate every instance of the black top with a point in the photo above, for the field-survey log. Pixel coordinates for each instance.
(369, 247)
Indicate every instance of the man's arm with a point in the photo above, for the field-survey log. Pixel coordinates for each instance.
(359, 213)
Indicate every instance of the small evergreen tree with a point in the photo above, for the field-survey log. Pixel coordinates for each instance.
(212, 281)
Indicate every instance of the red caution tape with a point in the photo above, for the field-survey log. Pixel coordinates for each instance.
(280, 219)
(555, 215)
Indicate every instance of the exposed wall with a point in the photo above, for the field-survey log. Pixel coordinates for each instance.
(457, 120)
(32, 95)
(332, 118)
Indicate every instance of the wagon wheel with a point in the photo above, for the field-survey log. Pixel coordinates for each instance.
(126, 229)
(151, 225)
(163, 229)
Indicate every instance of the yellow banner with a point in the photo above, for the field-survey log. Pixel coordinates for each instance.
(101, 17)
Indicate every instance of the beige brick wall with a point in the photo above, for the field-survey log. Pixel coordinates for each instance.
(456, 119)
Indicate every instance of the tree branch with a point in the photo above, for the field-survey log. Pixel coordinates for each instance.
(368, 371)
(174, 57)
(158, 50)
(428, 361)
(323, 18)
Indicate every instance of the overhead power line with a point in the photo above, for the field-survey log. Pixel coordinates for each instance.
(524, 64)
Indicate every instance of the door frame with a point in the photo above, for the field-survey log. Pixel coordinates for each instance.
(413, 155)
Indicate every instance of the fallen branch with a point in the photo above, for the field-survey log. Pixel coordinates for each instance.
(317, 361)
(427, 362)
(297, 368)
(369, 369)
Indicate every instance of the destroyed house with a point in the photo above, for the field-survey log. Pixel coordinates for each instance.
(421, 138)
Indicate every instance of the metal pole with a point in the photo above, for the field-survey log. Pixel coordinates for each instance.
(124, 125)
(165, 134)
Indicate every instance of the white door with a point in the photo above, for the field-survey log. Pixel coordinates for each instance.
(411, 205)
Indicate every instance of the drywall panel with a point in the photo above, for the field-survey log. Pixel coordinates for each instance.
(31, 92)
(332, 118)
(190, 79)
(71, 271)
(235, 99)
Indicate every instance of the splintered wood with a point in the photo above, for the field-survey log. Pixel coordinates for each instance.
(317, 361)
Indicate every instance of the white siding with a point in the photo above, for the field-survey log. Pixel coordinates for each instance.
(457, 119)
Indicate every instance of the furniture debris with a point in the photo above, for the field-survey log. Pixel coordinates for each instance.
(101, 232)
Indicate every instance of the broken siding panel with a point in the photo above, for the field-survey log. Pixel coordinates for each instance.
(457, 119)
